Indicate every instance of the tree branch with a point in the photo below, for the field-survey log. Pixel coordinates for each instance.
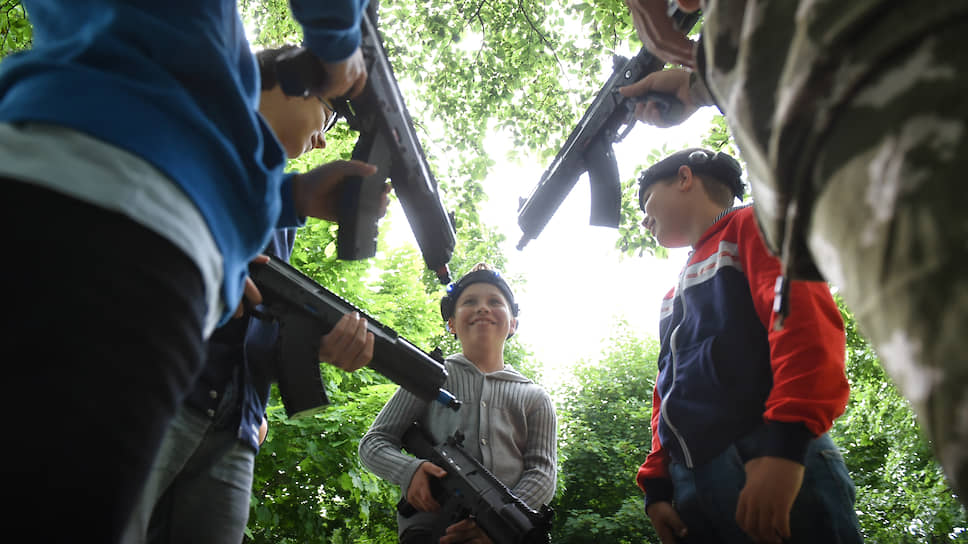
(543, 38)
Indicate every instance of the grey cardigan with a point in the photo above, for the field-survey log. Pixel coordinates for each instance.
(508, 421)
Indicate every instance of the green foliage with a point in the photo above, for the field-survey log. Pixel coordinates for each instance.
(493, 65)
(16, 34)
(633, 238)
(308, 477)
(604, 435)
(270, 23)
(487, 76)
(525, 71)
(309, 484)
(719, 138)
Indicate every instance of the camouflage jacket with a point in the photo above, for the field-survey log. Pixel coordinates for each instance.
(780, 71)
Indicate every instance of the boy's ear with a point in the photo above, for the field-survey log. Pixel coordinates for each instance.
(514, 327)
(685, 178)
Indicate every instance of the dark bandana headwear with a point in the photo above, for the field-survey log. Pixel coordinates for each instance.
(718, 166)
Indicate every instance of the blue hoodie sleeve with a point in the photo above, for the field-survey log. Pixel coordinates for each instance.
(288, 218)
(331, 28)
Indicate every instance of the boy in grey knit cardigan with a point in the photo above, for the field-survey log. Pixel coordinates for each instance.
(509, 421)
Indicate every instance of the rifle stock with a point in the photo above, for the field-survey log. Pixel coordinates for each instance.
(388, 140)
(470, 490)
(588, 148)
(306, 311)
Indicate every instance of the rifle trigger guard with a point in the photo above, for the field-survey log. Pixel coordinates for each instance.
(625, 131)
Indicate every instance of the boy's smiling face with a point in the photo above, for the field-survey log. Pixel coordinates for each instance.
(482, 314)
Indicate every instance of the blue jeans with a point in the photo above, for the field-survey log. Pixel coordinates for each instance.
(201, 484)
(706, 498)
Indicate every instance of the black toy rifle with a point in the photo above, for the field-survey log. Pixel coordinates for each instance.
(477, 493)
(305, 311)
(388, 140)
(608, 119)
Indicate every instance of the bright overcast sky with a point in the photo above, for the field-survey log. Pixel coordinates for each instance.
(577, 285)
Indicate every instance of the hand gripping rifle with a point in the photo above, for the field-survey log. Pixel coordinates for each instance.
(589, 149)
(306, 311)
(388, 140)
(477, 493)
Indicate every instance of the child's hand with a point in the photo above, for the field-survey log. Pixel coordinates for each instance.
(348, 345)
(346, 78)
(419, 494)
(465, 532)
(316, 193)
(668, 525)
(772, 484)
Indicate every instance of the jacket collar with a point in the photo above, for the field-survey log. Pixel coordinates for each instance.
(719, 222)
(507, 373)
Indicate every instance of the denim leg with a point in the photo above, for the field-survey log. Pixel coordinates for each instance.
(824, 509)
(209, 502)
(689, 505)
(706, 498)
(209, 499)
(181, 441)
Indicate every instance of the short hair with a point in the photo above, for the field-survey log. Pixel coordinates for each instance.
(720, 174)
(267, 65)
(718, 191)
(269, 77)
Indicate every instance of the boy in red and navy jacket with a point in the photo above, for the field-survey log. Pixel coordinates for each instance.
(741, 407)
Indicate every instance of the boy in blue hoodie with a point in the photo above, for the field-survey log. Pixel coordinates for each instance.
(201, 483)
(131, 145)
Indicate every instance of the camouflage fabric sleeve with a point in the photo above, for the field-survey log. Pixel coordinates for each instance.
(855, 175)
(889, 227)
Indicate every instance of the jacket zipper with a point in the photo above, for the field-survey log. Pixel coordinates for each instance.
(672, 348)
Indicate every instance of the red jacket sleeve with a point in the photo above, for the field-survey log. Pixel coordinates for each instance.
(807, 355)
(653, 475)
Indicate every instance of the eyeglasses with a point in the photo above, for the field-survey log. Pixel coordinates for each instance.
(330, 111)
